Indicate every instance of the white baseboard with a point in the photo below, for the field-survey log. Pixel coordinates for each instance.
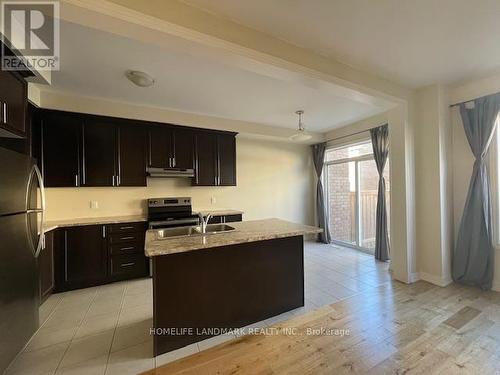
(496, 287)
(436, 280)
(413, 277)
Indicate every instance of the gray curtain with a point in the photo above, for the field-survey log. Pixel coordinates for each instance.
(318, 152)
(473, 256)
(380, 144)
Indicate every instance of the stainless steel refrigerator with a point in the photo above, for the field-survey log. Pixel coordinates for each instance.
(22, 204)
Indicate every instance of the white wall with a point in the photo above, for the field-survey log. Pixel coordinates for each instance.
(432, 178)
(274, 180)
(401, 123)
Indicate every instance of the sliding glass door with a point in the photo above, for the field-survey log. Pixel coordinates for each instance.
(351, 182)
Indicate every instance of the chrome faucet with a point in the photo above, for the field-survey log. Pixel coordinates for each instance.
(204, 221)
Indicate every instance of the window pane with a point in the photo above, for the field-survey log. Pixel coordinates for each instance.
(350, 151)
(342, 201)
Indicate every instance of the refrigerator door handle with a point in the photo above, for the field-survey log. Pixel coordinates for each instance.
(36, 172)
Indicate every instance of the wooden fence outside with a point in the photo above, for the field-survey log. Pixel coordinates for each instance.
(368, 206)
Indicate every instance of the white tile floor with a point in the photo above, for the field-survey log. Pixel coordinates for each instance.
(105, 330)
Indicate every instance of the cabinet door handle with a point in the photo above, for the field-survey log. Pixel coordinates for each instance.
(66, 255)
(173, 161)
(113, 181)
(123, 228)
(127, 264)
(127, 248)
(4, 112)
(76, 180)
(127, 238)
(103, 231)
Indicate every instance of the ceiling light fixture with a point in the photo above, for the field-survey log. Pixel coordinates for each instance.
(301, 134)
(140, 79)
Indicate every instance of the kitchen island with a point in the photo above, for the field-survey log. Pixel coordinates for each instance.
(207, 284)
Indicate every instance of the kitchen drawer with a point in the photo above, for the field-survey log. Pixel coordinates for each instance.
(127, 248)
(126, 237)
(216, 220)
(232, 218)
(127, 227)
(128, 266)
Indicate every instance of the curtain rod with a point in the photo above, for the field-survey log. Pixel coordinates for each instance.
(360, 132)
(471, 100)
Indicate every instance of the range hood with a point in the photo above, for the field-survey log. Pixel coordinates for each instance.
(170, 172)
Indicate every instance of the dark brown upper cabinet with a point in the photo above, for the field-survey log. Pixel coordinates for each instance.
(183, 156)
(226, 163)
(87, 150)
(205, 159)
(215, 159)
(160, 146)
(131, 155)
(13, 104)
(171, 147)
(99, 153)
(59, 148)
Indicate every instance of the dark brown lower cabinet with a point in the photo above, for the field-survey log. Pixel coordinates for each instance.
(128, 266)
(81, 257)
(225, 219)
(126, 251)
(216, 220)
(46, 267)
(266, 279)
(92, 255)
(233, 218)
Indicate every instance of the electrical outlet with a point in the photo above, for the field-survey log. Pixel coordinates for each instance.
(213, 200)
(94, 205)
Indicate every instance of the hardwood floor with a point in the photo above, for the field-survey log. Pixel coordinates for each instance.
(390, 329)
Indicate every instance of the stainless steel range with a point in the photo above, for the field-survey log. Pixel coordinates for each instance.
(171, 212)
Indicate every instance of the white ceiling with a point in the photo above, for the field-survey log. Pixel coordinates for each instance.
(412, 42)
(93, 64)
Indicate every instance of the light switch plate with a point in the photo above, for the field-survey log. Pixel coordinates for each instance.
(94, 205)
(213, 200)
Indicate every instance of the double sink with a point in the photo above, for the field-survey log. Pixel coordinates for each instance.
(163, 234)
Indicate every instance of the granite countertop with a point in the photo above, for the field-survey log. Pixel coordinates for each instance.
(246, 231)
(54, 224)
(218, 212)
